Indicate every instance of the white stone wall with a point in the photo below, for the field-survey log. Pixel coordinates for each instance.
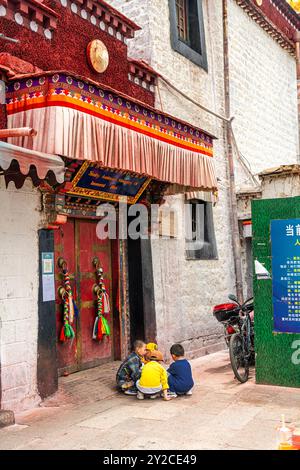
(19, 223)
(263, 89)
(263, 92)
(287, 185)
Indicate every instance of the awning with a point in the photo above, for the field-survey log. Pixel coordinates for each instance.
(18, 163)
(79, 120)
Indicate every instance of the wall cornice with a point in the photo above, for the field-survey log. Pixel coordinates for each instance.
(275, 17)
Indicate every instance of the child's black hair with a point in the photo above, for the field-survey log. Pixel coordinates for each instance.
(138, 344)
(177, 350)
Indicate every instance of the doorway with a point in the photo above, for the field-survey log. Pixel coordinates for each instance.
(141, 291)
(77, 243)
(136, 301)
(249, 267)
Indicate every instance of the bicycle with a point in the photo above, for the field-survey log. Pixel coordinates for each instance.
(241, 346)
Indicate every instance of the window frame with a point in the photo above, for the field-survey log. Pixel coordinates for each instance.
(210, 250)
(181, 46)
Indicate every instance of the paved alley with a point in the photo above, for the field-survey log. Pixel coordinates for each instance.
(221, 414)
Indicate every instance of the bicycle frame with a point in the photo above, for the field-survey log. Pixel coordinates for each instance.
(246, 335)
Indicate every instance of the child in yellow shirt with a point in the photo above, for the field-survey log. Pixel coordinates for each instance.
(154, 378)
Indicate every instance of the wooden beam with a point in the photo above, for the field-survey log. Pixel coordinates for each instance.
(18, 132)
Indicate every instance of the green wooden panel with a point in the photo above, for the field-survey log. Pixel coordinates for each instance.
(274, 350)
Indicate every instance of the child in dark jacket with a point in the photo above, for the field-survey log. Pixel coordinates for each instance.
(180, 377)
(130, 370)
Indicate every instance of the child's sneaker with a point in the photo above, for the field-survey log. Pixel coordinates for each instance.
(127, 385)
(140, 395)
(189, 393)
(172, 395)
(130, 392)
(155, 395)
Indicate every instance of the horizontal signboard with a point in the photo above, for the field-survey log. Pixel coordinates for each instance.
(108, 184)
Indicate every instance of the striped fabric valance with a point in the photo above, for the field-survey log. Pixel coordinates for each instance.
(79, 120)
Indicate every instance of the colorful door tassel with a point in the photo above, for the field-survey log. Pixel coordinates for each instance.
(70, 309)
(101, 325)
(73, 310)
(67, 331)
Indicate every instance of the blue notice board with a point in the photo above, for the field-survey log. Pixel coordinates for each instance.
(285, 239)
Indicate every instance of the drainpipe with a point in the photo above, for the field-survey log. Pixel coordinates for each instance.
(297, 43)
(236, 244)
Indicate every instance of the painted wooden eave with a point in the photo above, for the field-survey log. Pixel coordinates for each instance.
(275, 19)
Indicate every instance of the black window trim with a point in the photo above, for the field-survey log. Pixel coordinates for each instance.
(181, 46)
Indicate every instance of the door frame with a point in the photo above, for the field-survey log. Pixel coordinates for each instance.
(47, 381)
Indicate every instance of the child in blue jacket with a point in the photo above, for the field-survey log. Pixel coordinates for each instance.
(180, 377)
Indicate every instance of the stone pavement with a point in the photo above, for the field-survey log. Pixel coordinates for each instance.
(221, 414)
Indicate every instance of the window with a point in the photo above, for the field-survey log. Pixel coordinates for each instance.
(200, 233)
(187, 30)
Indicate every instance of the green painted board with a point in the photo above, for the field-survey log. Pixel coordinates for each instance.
(277, 356)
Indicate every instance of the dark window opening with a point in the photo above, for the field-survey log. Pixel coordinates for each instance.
(194, 29)
(194, 221)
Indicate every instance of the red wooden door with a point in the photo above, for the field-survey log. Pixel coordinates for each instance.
(92, 352)
(78, 244)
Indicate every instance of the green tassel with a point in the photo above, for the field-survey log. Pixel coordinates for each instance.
(106, 326)
(69, 332)
(72, 332)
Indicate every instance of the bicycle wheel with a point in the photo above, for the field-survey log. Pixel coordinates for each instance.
(239, 365)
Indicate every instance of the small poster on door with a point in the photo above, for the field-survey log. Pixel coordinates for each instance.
(48, 282)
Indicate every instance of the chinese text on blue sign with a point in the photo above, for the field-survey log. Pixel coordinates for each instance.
(285, 238)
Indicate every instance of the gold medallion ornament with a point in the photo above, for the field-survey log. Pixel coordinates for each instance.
(259, 2)
(98, 55)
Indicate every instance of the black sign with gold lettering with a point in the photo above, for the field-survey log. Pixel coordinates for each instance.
(108, 184)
